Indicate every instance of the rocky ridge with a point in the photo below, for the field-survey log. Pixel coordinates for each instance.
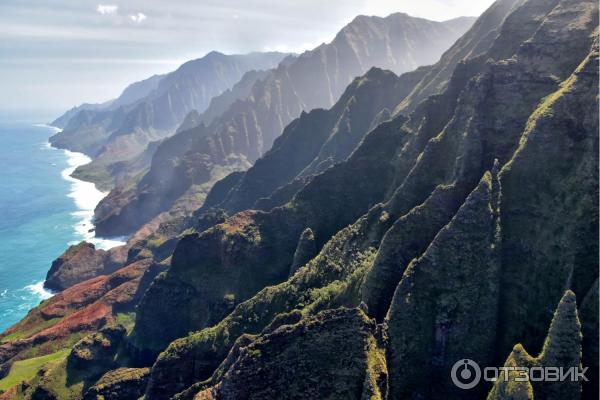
(493, 180)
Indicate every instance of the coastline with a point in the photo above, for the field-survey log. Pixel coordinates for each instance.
(44, 211)
(86, 197)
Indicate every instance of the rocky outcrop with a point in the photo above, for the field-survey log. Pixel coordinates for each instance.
(121, 383)
(77, 311)
(82, 262)
(97, 351)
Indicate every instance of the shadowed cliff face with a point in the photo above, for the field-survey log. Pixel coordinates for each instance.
(192, 161)
(452, 232)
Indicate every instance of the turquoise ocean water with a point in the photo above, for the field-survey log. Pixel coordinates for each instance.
(42, 211)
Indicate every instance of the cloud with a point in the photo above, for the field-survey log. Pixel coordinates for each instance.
(105, 9)
(138, 18)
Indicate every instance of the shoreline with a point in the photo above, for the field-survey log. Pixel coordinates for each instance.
(85, 197)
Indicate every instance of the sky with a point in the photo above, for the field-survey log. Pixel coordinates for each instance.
(55, 54)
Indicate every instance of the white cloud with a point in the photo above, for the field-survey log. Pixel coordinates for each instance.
(105, 9)
(138, 18)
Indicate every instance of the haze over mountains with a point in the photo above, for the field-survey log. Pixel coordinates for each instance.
(446, 213)
(115, 133)
(248, 127)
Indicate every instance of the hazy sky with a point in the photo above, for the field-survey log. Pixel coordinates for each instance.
(58, 53)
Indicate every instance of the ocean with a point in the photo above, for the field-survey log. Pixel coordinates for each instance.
(42, 211)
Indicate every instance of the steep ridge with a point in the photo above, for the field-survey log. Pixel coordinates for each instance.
(334, 277)
(117, 134)
(562, 348)
(475, 42)
(280, 184)
(320, 138)
(241, 90)
(244, 132)
(452, 232)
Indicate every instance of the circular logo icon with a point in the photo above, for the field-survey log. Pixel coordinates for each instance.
(466, 374)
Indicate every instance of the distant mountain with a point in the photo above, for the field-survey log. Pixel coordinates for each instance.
(316, 141)
(188, 163)
(131, 94)
(275, 178)
(151, 110)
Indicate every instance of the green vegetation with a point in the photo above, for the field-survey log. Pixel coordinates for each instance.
(410, 252)
(126, 319)
(25, 370)
(562, 349)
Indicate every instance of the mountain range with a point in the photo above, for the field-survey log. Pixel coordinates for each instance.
(246, 129)
(115, 133)
(445, 214)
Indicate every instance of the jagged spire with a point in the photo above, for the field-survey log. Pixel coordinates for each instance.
(562, 349)
(563, 343)
(509, 389)
(305, 250)
(446, 297)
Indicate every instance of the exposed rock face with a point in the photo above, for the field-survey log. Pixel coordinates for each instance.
(247, 129)
(82, 262)
(78, 310)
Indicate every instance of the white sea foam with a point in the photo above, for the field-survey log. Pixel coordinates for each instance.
(39, 290)
(52, 128)
(86, 198)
